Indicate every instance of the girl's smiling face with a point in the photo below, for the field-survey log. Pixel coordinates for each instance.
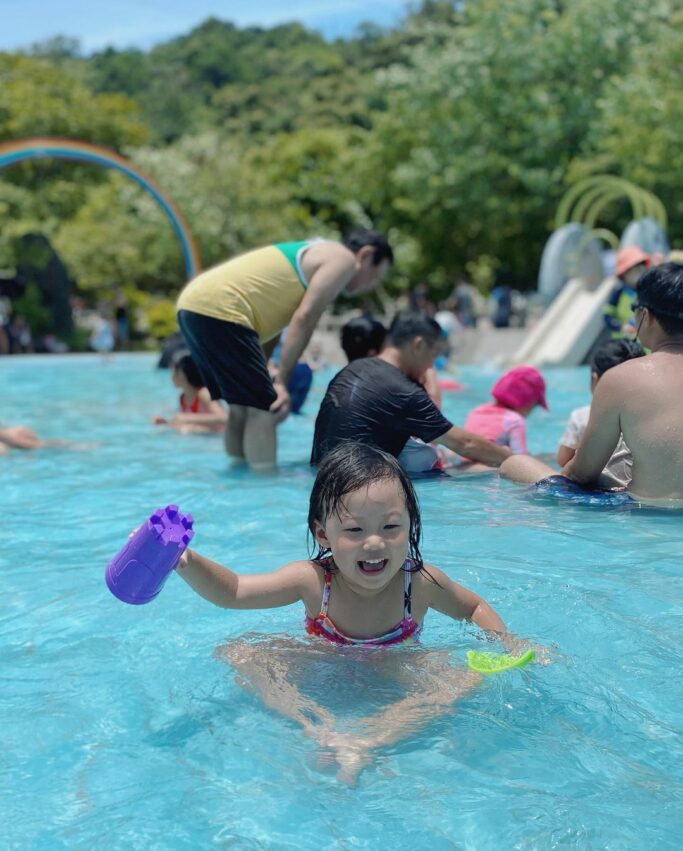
(369, 536)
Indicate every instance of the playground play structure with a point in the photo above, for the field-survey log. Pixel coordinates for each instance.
(571, 281)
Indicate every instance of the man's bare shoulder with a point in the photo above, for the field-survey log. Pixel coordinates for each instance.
(321, 253)
(623, 375)
(328, 267)
(639, 382)
(657, 364)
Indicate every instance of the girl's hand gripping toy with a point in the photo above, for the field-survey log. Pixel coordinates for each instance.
(494, 663)
(138, 571)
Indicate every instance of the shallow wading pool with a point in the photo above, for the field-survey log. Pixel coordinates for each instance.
(121, 729)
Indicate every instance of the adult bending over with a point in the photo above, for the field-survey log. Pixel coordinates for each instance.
(232, 315)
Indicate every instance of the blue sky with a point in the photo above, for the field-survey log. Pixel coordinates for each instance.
(142, 23)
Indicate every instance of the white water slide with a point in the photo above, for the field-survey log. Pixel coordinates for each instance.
(571, 282)
(570, 326)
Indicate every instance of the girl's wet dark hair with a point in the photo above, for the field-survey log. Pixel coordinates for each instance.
(183, 361)
(613, 353)
(350, 467)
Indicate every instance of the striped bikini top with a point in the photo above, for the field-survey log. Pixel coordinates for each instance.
(323, 626)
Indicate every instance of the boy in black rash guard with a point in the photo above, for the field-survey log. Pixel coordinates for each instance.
(379, 400)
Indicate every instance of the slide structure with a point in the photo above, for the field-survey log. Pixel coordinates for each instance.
(571, 277)
(570, 326)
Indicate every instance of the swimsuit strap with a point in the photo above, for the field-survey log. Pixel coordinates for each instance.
(326, 590)
(407, 589)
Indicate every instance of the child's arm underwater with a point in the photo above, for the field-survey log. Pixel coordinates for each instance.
(209, 419)
(229, 590)
(211, 414)
(21, 437)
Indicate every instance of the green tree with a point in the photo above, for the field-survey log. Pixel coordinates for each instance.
(640, 125)
(486, 117)
(41, 97)
(38, 99)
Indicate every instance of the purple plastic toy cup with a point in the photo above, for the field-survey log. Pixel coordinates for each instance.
(138, 571)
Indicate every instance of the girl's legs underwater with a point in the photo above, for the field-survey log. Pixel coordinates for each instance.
(266, 667)
(432, 685)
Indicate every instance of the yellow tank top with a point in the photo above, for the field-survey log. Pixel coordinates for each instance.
(260, 290)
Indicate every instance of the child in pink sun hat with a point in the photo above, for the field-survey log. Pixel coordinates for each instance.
(503, 422)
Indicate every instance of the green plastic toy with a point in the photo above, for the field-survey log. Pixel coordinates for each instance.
(494, 663)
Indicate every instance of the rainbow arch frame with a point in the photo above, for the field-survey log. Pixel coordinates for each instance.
(42, 147)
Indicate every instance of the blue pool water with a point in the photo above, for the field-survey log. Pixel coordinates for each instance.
(121, 729)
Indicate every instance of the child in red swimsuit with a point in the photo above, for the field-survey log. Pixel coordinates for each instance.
(366, 585)
(199, 413)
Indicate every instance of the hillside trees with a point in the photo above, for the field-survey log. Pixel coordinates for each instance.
(457, 133)
(486, 120)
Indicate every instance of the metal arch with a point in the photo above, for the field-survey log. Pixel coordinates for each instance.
(607, 236)
(70, 149)
(592, 214)
(609, 187)
(570, 197)
(586, 199)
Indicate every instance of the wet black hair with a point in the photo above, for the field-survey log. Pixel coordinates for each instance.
(362, 335)
(613, 353)
(409, 324)
(183, 361)
(350, 467)
(660, 289)
(360, 237)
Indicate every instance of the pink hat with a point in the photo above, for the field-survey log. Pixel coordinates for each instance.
(520, 387)
(629, 257)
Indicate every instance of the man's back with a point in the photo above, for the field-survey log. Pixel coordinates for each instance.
(650, 391)
(371, 401)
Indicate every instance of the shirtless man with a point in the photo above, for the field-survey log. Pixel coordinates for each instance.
(231, 317)
(641, 399)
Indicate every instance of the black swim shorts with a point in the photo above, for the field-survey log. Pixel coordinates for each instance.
(230, 359)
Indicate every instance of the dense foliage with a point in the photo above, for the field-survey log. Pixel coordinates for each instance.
(456, 133)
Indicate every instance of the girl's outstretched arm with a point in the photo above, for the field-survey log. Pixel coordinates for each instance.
(230, 590)
(459, 603)
(462, 604)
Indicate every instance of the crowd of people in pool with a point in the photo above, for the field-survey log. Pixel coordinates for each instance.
(233, 315)
(386, 396)
(380, 422)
